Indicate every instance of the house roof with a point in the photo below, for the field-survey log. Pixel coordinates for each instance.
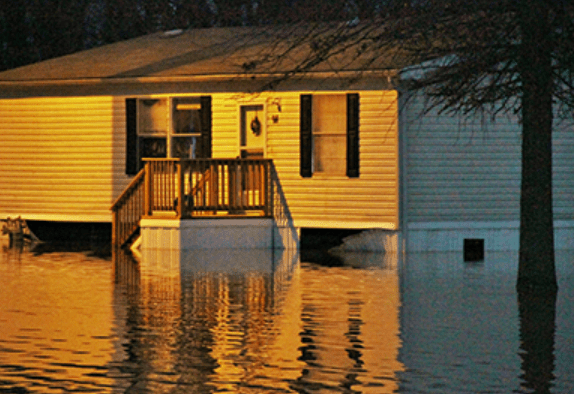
(214, 59)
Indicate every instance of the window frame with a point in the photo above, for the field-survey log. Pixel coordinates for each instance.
(339, 131)
(307, 135)
(194, 104)
(135, 136)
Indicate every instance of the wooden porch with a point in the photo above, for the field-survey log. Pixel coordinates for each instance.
(187, 189)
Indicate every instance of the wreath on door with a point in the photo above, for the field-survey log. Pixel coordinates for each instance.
(256, 126)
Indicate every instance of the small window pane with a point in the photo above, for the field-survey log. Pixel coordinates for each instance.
(153, 147)
(184, 147)
(330, 114)
(152, 116)
(329, 153)
(186, 116)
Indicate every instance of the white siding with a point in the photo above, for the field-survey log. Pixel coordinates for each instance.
(324, 201)
(469, 170)
(563, 166)
(61, 158)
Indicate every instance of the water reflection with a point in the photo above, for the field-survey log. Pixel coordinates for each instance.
(57, 330)
(260, 321)
(350, 326)
(205, 318)
(464, 331)
(537, 330)
(265, 322)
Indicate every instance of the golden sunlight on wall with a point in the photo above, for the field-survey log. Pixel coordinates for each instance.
(62, 158)
(324, 200)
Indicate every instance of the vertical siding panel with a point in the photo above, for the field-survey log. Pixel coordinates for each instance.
(563, 166)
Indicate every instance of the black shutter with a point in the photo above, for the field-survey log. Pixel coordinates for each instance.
(353, 135)
(132, 162)
(306, 141)
(205, 145)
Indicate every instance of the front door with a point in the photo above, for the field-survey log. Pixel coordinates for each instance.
(252, 132)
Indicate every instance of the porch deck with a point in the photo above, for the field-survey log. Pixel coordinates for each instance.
(188, 189)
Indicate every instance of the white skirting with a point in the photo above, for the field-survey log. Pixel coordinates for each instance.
(248, 233)
(497, 236)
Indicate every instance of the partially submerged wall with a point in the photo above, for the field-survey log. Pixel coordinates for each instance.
(462, 179)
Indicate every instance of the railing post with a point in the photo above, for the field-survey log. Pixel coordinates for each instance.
(148, 196)
(269, 189)
(213, 191)
(180, 186)
(114, 227)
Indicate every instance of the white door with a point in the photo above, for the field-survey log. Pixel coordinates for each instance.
(252, 132)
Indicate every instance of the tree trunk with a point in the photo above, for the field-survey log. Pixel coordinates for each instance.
(536, 271)
(537, 314)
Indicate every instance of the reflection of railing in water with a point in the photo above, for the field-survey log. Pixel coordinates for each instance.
(126, 268)
(187, 188)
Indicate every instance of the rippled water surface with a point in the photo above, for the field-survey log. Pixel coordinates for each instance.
(263, 322)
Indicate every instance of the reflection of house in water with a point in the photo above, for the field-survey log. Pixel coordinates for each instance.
(230, 319)
(56, 325)
(350, 327)
(458, 320)
(203, 318)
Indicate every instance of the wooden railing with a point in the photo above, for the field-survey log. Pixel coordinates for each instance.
(183, 189)
(128, 210)
(187, 188)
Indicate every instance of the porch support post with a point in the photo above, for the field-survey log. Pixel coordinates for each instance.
(213, 190)
(148, 195)
(180, 186)
(270, 188)
(114, 227)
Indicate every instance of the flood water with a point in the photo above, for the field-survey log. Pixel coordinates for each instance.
(266, 322)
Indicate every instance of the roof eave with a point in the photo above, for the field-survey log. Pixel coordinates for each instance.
(240, 82)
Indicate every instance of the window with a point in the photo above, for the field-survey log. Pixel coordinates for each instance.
(186, 128)
(330, 135)
(164, 127)
(153, 126)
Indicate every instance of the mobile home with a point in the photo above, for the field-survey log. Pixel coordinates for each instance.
(185, 139)
(76, 130)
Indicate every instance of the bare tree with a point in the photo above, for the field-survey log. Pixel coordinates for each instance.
(513, 56)
(470, 55)
(480, 55)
